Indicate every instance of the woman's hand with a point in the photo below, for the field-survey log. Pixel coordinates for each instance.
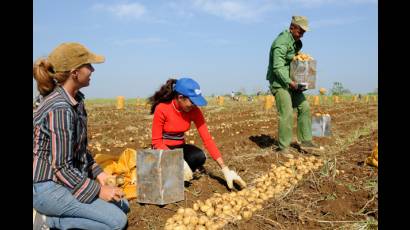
(231, 176)
(102, 178)
(110, 193)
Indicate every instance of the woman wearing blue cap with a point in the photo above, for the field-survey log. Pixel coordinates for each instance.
(174, 106)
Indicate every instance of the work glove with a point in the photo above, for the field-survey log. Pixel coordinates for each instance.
(231, 176)
(187, 172)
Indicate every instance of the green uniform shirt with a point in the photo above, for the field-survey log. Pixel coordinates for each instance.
(282, 51)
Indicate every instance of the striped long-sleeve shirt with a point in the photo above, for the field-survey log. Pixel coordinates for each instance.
(60, 149)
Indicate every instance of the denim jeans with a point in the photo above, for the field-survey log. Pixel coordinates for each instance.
(64, 211)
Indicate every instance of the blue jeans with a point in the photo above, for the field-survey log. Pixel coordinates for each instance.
(64, 211)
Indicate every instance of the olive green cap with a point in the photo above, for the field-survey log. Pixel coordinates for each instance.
(301, 21)
(71, 55)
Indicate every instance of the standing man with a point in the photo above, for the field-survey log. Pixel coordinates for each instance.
(285, 90)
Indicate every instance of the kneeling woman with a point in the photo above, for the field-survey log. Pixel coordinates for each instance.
(174, 106)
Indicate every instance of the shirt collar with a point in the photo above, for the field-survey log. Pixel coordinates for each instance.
(290, 35)
(176, 105)
(79, 97)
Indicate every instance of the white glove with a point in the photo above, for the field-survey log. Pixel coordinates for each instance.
(231, 176)
(187, 172)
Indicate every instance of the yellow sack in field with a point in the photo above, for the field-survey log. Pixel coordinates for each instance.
(124, 164)
(373, 160)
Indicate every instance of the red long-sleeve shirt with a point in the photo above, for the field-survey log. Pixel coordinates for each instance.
(170, 118)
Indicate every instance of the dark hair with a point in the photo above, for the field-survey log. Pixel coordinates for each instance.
(164, 94)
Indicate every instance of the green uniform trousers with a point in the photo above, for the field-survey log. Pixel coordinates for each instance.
(286, 101)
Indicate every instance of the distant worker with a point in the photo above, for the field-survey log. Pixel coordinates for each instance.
(232, 95)
(285, 90)
(175, 106)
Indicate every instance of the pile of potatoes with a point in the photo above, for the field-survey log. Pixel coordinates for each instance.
(302, 57)
(220, 209)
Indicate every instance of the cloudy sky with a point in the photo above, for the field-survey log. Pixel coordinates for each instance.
(223, 44)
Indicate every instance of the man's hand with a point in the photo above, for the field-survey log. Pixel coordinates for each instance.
(231, 176)
(293, 85)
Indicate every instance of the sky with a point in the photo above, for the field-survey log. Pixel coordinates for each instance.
(222, 44)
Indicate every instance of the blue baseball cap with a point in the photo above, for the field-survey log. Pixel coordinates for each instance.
(190, 88)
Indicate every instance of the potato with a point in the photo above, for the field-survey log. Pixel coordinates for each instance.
(226, 207)
(227, 212)
(232, 203)
(178, 217)
(180, 227)
(246, 215)
(181, 211)
(186, 220)
(212, 227)
(208, 202)
(237, 208)
(239, 202)
(218, 212)
(204, 208)
(264, 197)
(111, 181)
(120, 180)
(200, 227)
(202, 220)
(210, 212)
(196, 206)
(169, 227)
(270, 194)
(220, 224)
(208, 223)
(194, 220)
